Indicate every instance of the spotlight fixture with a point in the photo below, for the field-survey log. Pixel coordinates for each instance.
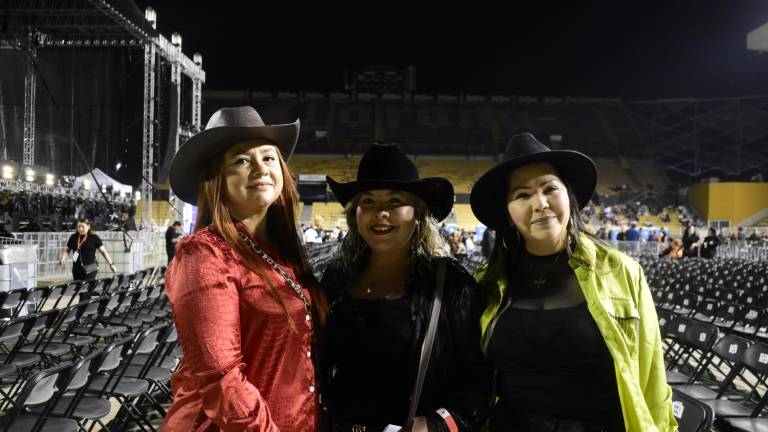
(8, 172)
(29, 175)
(151, 17)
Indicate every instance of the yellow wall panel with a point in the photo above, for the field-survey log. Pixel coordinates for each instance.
(729, 201)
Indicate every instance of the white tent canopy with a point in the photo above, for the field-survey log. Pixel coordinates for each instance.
(102, 179)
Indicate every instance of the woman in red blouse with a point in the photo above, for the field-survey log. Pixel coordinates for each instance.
(244, 299)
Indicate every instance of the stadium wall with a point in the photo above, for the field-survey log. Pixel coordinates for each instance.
(735, 202)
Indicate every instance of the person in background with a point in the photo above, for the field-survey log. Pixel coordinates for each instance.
(83, 246)
(710, 244)
(312, 234)
(674, 249)
(723, 235)
(691, 241)
(172, 236)
(632, 233)
(469, 244)
(486, 245)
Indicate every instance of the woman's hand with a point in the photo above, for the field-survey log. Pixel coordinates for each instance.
(113, 267)
(61, 262)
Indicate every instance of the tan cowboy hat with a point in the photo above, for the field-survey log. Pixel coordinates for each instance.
(227, 127)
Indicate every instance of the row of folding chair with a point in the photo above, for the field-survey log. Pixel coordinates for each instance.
(22, 300)
(714, 323)
(725, 371)
(69, 323)
(703, 274)
(76, 395)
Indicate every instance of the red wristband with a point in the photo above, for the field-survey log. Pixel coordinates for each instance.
(448, 419)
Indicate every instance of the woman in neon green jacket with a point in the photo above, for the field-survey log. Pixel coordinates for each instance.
(570, 325)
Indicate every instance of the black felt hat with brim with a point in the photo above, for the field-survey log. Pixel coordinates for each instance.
(488, 196)
(227, 127)
(385, 166)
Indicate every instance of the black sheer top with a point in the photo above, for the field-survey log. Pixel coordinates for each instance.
(551, 360)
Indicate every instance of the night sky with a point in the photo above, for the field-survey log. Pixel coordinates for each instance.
(633, 50)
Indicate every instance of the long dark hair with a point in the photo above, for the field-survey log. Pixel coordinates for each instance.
(283, 231)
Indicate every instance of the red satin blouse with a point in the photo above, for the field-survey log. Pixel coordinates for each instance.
(244, 368)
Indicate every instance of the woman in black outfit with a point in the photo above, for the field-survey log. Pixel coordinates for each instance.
(83, 246)
(381, 291)
(690, 241)
(711, 242)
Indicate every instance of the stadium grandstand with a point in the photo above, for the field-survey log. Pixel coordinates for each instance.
(95, 102)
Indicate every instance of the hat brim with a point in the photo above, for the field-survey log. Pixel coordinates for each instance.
(191, 161)
(436, 192)
(489, 193)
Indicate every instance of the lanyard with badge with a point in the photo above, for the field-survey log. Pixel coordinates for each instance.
(76, 254)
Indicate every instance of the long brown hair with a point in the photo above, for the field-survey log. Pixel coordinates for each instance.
(283, 231)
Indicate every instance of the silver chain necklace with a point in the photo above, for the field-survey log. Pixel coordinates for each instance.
(260, 252)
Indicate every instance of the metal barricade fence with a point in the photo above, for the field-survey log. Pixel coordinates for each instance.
(742, 249)
(131, 251)
(746, 250)
(637, 248)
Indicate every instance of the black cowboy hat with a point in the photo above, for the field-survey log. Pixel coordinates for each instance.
(576, 169)
(385, 166)
(227, 126)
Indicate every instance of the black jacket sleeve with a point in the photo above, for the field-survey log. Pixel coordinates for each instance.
(459, 378)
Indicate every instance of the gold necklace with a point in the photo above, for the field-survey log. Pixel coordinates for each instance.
(541, 280)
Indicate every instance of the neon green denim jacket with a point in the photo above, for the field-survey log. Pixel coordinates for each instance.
(620, 301)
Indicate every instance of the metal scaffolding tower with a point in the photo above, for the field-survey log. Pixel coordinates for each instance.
(148, 140)
(176, 83)
(104, 23)
(197, 95)
(30, 88)
(706, 137)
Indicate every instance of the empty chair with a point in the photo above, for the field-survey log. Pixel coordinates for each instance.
(718, 370)
(749, 322)
(110, 382)
(695, 350)
(705, 310)
(692, 415)
(674, 336)
(742, 414)
(12, 301)
(727, 315)
(41, 389)
(73, 403)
